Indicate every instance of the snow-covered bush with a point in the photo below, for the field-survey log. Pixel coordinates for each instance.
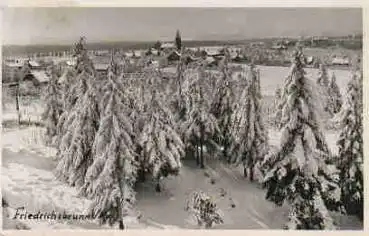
(300, 170)
(203, 209)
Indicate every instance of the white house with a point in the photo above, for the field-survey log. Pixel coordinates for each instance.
(340, 61)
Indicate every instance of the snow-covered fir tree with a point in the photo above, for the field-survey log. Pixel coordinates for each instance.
(334, 96)
(299, 171)
(76, 92)
(111, 177)
(276, 109)
(323, 82)
(76, 87)
(201, 128)
(250, 143)
(84, 63)
(350, 143)
(160, 144)
(53, 109)
(222, 107)
(323, 79)
(75, 148)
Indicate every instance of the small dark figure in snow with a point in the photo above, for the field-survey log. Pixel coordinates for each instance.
(232, 204)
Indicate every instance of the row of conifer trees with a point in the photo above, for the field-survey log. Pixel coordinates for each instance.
(112, 133)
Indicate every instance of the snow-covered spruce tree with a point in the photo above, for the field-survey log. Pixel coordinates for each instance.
(203, 210)
(84, 63)
(323, 79)
(75, 149)
(350, 143)
(201, 128)
(222, 107)
(250, 143)
(53, 109)
(299, 171)
(160, 144)
(334, 96)
(76, 91)
(77, 86)
(276, 109)
(111, 177)
(323, 82)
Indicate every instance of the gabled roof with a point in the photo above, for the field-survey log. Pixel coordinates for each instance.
(128, 54)
(340, 60)
(40, 76)
(101, 66)
(34, 64)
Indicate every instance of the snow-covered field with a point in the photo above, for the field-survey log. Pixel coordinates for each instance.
(27, 180)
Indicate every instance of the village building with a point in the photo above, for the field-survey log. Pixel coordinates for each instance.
(167, 46)
(341, 61)
(173, 56)
(101, 68)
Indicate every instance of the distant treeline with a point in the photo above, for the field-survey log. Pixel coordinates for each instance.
(9, 50)
(12, 50)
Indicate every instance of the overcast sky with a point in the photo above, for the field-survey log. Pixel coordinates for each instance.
(65, 25)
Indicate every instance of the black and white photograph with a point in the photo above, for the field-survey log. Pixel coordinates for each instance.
(208, 118)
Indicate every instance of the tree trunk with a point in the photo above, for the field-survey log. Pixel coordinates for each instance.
(251, 169)
(157, 187)
(17, 104)
(244, 171)
(201, 148)
(120, 216)
(197, 155)
(142, 174)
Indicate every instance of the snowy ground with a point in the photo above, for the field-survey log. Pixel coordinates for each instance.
(28, 181)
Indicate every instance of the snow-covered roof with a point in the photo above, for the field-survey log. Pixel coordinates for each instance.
(34, 63)
(128, 54)
(154, 51)
(168, 45)
(71, 62)
(340, 61)
(212, 50)
(309, 59)
(233, 54)
(40, 76)
(63, 78)
(209, 59)
(138, 53)
(101, 66)
(14, 64)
